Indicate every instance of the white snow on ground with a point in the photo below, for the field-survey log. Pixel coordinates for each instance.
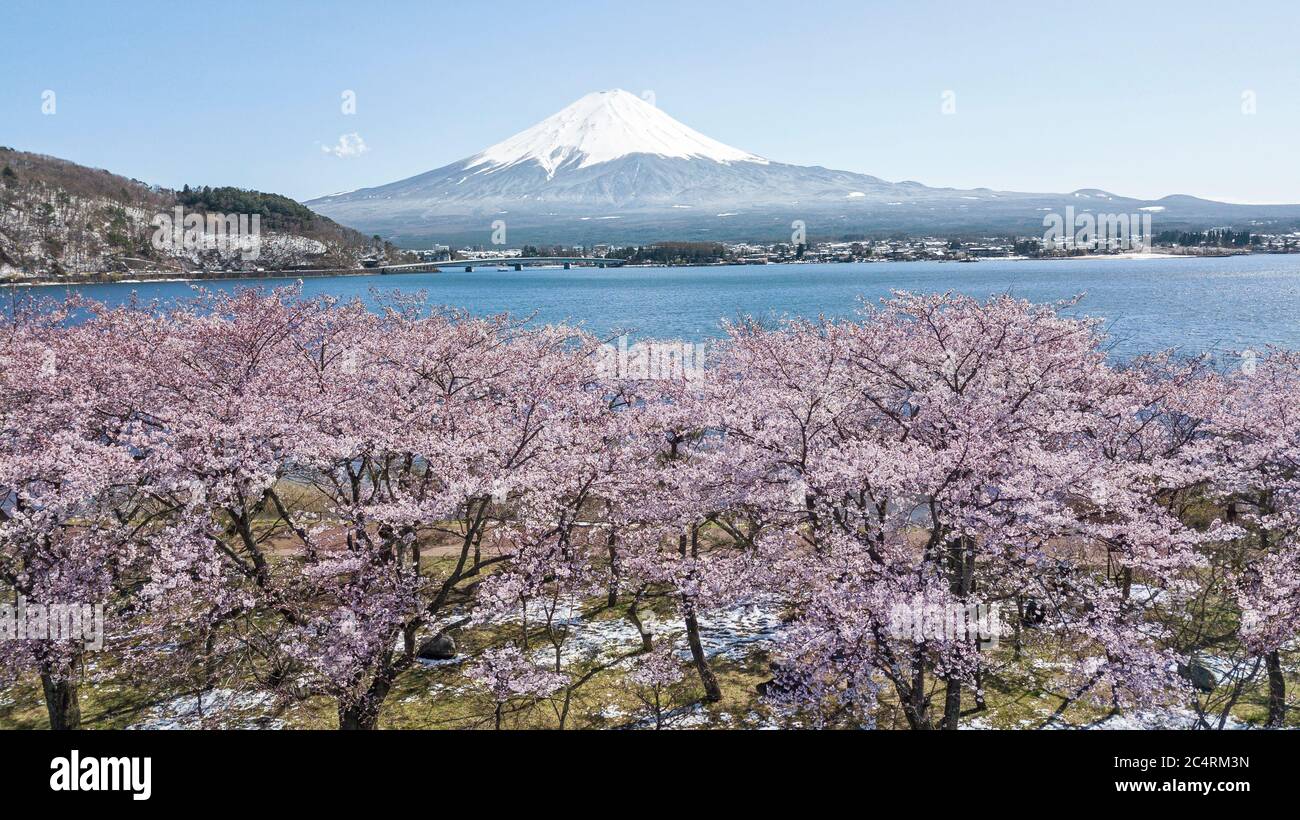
(1162, 718)
(1147, 597)
(604, 126)
(696, 716)
(1221, 667)
(223, 708)
(730, 633)
(734, 633)
(977, 723)
(434, 663)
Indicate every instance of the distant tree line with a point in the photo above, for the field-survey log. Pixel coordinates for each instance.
(545, 250)
(1218, 238)
(280, 213)
(1023, 247)
(673, 253)
(277, 212)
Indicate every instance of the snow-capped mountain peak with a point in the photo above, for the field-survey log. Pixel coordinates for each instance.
(613, 168)
(600, 127)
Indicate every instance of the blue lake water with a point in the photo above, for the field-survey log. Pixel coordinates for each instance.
(1191, 304)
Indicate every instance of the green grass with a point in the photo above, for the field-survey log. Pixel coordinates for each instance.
(1020, 697)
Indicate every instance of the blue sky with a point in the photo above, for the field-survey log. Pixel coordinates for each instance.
(1143, 99)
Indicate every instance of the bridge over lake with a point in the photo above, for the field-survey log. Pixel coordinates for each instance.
(516, 262)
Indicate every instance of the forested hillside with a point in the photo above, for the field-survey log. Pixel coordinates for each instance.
(59, 219)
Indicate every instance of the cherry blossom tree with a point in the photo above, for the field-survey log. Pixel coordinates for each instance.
(508, 676)
(939, 453)
(72, 496)
(1256, 458)
(653, 675)
(302, 497)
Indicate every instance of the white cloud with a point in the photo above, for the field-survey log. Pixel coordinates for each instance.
(349, 145)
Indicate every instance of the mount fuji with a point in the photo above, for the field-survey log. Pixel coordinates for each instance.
(613, 167)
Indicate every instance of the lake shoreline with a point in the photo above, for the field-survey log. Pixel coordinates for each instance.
(145, 278)
(1203, 305)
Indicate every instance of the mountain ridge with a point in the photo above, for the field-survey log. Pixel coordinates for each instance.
(613, 159)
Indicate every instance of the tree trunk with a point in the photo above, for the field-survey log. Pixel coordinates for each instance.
(1276, 691)
(912, 695)
(647, 640)
(364, 713)
(611, 545)
(1015, 636)
(355, 718)
(712, 692)
(961, 572)
(952, 704)
(61, 701)
(613, 572)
